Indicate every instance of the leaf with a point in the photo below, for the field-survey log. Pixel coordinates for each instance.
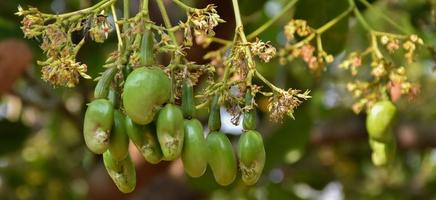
(318, 13)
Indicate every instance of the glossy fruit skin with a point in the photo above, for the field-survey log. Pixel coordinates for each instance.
(221, 158)
(188, 104)
(383, 153)
(214, 122)
(379, 119)
(170, 132)
(249, 119)
(251, 153)
(145, 90)
(119, 141)
(97, 125)
(146, 51)
(122, 172)
(194, 154)
(145, 140)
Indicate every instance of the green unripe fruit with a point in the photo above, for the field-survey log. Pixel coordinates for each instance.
(221, 158)
(188, 105)
(194, 155)
(122, 173)
(383, 153)
(97, 125)
(145, 90)
(170, 131)
(249, 118)
(379, 119)
(102, 88)
(146, 51)
(214, 122)
(119, 141)
(251, 153)
(145, 140)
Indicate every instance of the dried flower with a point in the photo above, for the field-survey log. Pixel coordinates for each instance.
(379, 68)
(414, 38)
(410, 47)
(64, 71)
(32, 23)
(265, 51)
(353, 62)
(187, 34)
(54, 40)
(284, 103)
(100, 28)
(298, 26)
(358, 88)
(204, 20)
(390, 43)
(61, 67)
(306, 52)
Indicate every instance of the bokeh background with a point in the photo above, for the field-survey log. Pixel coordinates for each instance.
(322, 154)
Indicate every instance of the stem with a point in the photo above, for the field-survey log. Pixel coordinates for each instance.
(227, 67)
(182, 5)
(264, 26)
(145, 8)
(168, 25)
(166, 19)
(126, 7)
(240, 31)
(359, 16)
(117, 27)
(239, 26)
(237, 13)
(78, 46)
(385, 17)
(318, 42)
(159, 28)
(374, 46)
(304, 41)
(272, 20)
(95, 8)
(317, 32)
(269, 84)
(126, 15)
(220, 40)
(379, 33)
(199, 106)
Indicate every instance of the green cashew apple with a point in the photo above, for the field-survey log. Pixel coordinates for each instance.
(170, 132)
(145, 90)
(97, 125)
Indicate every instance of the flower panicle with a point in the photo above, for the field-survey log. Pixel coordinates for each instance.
(284, 103)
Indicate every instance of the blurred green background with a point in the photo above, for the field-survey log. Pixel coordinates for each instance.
(323, 154)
